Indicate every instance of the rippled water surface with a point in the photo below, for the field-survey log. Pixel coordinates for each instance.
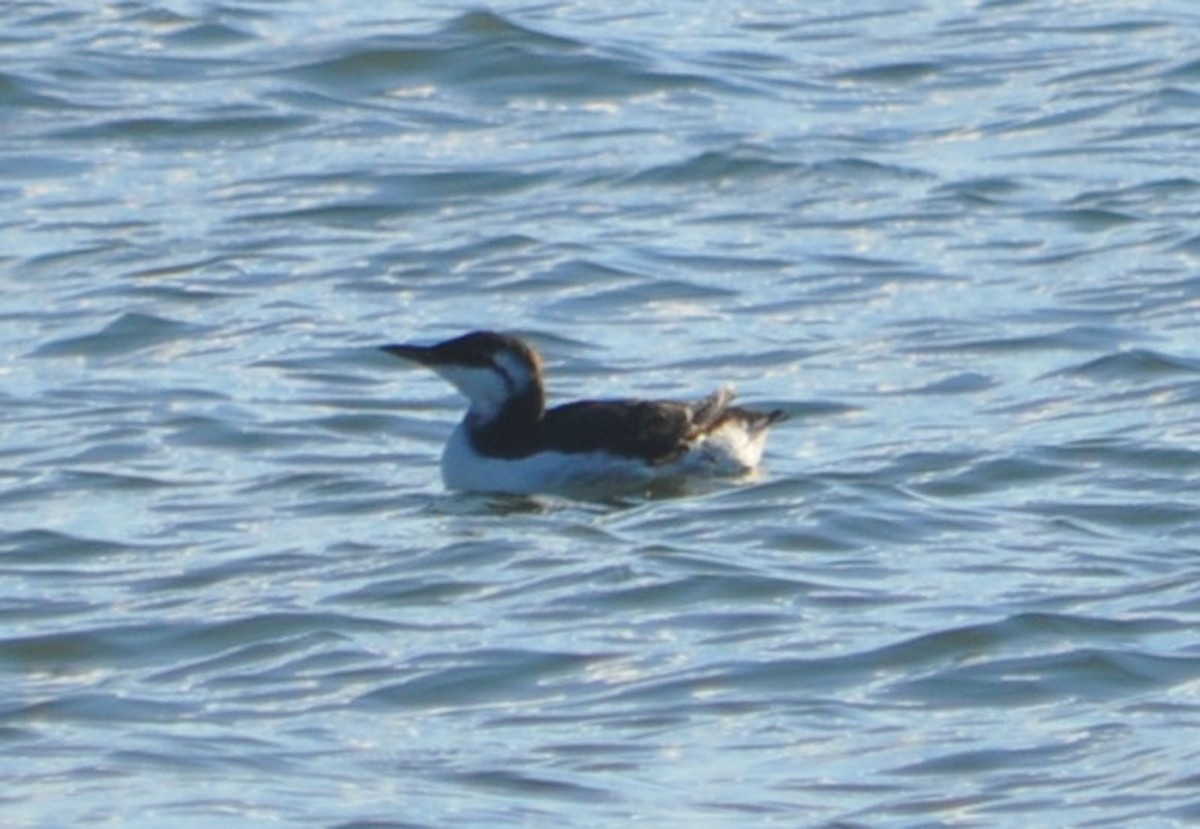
(957, 242)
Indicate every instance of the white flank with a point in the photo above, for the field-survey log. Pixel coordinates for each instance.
(730, 451)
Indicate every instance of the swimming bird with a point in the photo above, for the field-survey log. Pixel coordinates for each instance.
(509, 442)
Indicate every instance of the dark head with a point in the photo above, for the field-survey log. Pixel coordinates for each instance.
(494, 371)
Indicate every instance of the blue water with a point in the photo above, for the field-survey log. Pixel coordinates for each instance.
(956, 242)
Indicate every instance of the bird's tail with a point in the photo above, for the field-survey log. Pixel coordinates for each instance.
(708, 412)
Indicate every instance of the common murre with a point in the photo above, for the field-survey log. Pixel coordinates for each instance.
(509, 442)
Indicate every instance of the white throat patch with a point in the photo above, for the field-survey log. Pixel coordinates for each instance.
(486, 388)
(489, 387)
(518, 371)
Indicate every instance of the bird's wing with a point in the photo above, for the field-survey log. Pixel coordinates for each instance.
(656, 431)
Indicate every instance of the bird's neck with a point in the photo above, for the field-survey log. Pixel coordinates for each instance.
(510, 424)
